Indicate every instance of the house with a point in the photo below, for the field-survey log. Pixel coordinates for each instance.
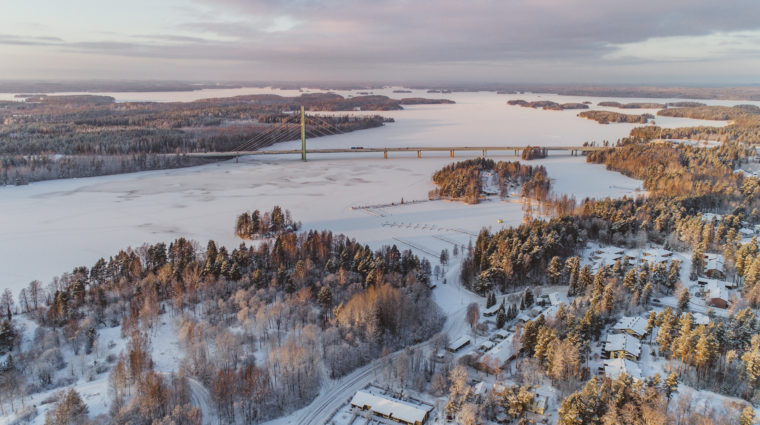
(458, 344)
(622, 346)
(524, 317)
(634, 326)
(487, 345)
(391, 408)
(656, 255)
(555, 298)
(714, 266)
(615, 367)
(717, 295)
(503, 351)
(491, 311)
(501, 334)
(705, 283)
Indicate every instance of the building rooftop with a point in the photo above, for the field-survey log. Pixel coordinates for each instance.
(502, 351)
(716, 289)
(391, 407)
(613, 368)
(636, 325)
(623, 342)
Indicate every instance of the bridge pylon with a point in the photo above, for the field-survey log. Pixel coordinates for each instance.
(303, 134)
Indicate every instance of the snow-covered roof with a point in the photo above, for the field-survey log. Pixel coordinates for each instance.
(487, 345)
(555, 298)
(502, 333)
(623, 342)
(713, 262)
(391, 407)
(502, 351)
(459, 343)
(613, 368)
(490, 311)
(636, 325)
(700, 319)
(524, 317)
(715, 289)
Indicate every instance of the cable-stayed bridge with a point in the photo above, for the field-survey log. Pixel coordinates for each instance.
(296, 125)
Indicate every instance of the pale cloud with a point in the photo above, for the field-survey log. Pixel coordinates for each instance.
(501, 40)
(715, 46)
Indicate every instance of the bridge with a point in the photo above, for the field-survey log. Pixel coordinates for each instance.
(483, 150)
(289, 130)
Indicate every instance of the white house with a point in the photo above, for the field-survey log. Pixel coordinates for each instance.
(613, 368)
(635, 326)
(717, 294)
(714, 266)
(622, 346)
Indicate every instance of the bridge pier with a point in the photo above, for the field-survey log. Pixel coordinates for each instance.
(451, 153)
(484, 152)
(385, 154)
(516, 152)
(419, 154)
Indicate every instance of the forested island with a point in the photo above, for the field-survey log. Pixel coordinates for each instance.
(464, 180)
(606, 117)
(547, 105)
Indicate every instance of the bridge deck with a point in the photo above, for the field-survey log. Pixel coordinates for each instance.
(419, 150)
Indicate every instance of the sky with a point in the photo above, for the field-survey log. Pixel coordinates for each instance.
(500, 41)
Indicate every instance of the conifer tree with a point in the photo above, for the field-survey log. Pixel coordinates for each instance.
(554, 271)
(683, 300)
(747, 417)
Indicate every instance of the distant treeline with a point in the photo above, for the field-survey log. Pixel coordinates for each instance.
(19, 170)
(711, 112)
(650, 105)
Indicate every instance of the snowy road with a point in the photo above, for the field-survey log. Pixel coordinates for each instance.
(201, 398)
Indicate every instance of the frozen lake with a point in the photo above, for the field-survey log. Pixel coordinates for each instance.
(51, 227)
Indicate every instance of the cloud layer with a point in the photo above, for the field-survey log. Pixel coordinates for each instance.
(499, 40)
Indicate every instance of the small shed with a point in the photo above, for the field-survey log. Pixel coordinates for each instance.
(458, 344)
